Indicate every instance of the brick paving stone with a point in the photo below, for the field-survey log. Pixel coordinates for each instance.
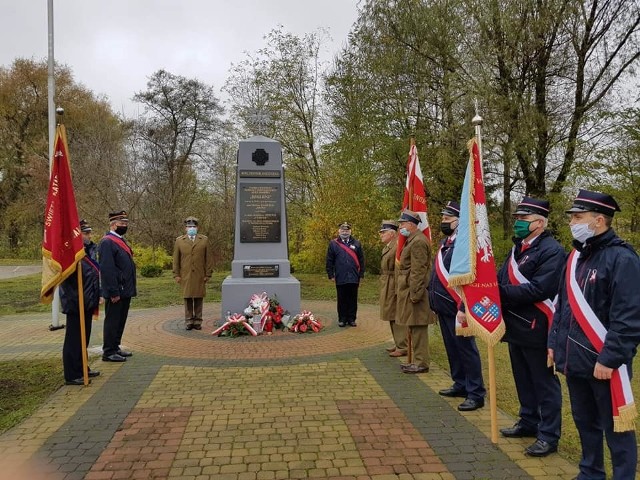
(191, 406)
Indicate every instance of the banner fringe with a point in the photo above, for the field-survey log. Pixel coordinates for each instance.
(626, 419)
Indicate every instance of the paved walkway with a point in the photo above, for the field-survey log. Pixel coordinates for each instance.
(187, 405)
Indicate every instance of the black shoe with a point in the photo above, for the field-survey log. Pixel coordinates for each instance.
(413, 368)
(470, 405)
(94, 373)
(353, 324)
(189, 327)
(341, 323)
(75, 381)
(452, 392)
(197, 327)
(124, 353)
(518, 431)
(113, 358)
(540, 448)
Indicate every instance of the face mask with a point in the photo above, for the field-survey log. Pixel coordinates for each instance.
(521, 228)
(191, 231)
(404, 232)
(344, 236)
(121, 230)
(582, 232)
(447, 229)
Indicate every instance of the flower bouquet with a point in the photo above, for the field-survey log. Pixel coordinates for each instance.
(305, 322)
(235, 326)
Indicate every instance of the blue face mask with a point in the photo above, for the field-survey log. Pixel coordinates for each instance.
(191, 231)
(404, 232)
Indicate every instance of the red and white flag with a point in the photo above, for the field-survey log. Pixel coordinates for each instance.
(62, 246)
(473, 268)
(415, 197)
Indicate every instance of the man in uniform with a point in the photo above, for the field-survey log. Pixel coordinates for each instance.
(595, 333)
(345, 267)
(411, 286)
(462, 352)
(192, 267)
(389, 236)
(528, 282)
(72, 347)
(118, 285)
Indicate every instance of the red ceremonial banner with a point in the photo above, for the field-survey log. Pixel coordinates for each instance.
(473, 268)
(415, 197)
(62, 245)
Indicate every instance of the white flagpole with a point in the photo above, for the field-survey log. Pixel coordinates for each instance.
(51, 88)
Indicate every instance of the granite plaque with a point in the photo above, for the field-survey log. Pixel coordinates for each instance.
(261, 271)
(260, 213)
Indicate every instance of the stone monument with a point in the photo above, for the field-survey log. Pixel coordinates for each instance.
(261, 252)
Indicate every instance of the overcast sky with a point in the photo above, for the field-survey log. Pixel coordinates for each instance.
(113, 46)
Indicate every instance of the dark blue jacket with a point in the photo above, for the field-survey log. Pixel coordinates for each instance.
(439, 299)
(608, 272)
(117, 270)
(340, 265)
(541, 263)
(90, 286)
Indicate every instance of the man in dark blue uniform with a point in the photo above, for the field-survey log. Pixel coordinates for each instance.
(345, 267)
(595, 333)
(528, 282)
(72, 349)
(118, 279)
(462, 352)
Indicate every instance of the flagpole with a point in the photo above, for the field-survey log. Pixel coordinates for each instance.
(493, 403)
(410, 207)
(51, 88)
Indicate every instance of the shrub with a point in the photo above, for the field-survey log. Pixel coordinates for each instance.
(157, 256)
(151, 271)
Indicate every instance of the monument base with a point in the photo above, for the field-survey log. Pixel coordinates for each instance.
(236, 293)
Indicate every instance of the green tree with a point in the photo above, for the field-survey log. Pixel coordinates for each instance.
(170, 142)
(94, 135)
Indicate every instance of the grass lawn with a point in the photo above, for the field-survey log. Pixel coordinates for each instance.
(21, 393)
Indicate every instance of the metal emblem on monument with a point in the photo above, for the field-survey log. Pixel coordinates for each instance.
(259, 121)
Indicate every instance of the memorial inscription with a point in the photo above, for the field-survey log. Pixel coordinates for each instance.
(260, 212)
(261, 271)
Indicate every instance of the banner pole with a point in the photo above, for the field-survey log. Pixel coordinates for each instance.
(493, 404)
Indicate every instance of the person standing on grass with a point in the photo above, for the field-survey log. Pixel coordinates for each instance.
(69, 299)
(595, 335)
(462, 352)
(345, 267)
(192, 268)
(412, 277)
(528, 282)
(389, 236)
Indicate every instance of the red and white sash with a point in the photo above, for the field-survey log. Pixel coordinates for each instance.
(118, 241)
(546, 306)
(624, 409)
(351, 253)
(443, 276)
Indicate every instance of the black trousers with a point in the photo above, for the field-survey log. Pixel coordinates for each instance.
(591, 410)
(464, 360)
(347, 294)
(538, 391)
(72, 347)
(115, 319)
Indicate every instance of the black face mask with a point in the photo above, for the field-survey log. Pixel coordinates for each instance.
(121, 230)
(446, 228)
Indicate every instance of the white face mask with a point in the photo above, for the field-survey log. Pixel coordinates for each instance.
(582, 232)
(404, 232)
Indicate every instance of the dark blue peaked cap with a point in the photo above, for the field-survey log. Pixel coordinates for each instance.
(587, 201)
(409, 216)
(452, 209)
(529, 205)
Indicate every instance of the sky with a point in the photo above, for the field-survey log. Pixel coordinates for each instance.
(113, 46)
